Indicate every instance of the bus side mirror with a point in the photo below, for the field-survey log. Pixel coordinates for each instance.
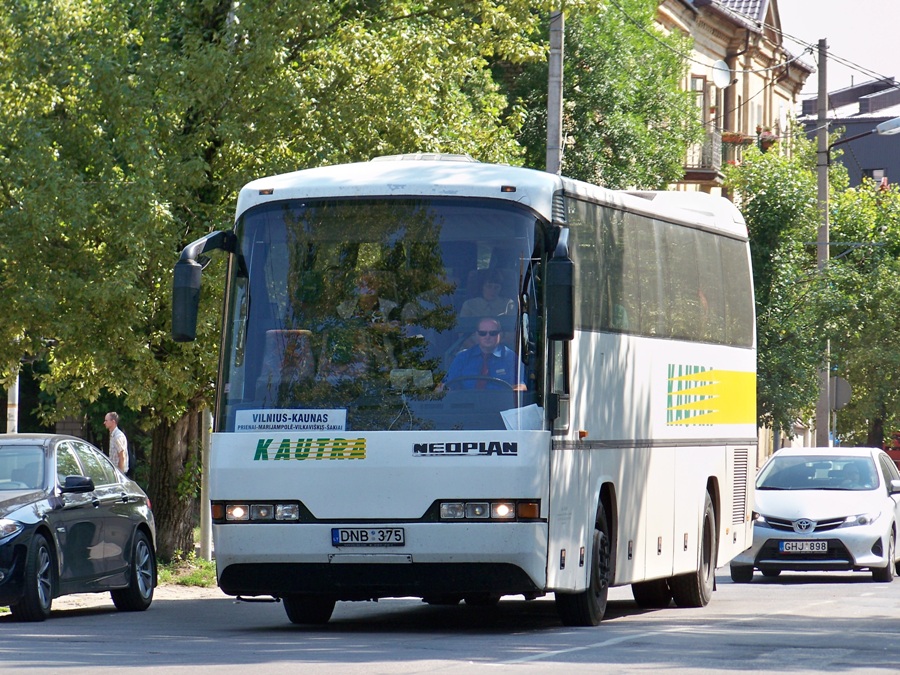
(186, 300)
(560, 299)
(186, 283)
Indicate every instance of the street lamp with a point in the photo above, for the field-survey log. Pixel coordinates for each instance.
(886, 128)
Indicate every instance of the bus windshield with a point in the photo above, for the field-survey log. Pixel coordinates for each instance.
(379, 314)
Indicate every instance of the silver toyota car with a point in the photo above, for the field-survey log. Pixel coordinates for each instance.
(821, 509)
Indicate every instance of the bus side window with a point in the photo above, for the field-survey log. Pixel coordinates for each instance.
(559, 385)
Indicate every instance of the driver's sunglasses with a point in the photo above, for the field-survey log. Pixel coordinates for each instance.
(492, 333)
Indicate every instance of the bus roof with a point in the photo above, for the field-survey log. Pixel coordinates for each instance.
(435, 175)
(407, 176)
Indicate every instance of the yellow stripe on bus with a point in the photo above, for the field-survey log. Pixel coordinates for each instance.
(730, 397)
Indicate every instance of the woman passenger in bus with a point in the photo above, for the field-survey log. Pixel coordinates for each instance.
(490, 302)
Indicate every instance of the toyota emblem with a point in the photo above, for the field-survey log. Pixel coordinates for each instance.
(804, 525)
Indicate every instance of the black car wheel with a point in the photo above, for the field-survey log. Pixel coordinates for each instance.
(138, 595)
(38, 597)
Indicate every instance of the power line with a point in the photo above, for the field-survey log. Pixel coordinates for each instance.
(834, 57)
(689, 57)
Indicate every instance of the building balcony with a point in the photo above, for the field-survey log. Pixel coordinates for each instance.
(704, 160)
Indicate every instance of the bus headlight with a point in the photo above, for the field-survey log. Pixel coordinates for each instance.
(237, 512)
(478, 510)
(262, 512)
(452, 510)
(287, 512)
(509, 510)
(255, 512)
(503, 510)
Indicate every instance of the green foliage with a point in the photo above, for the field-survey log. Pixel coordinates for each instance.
(127, 129)
(626, 120)
(800, 309)
(186, 569)
(777, 195)
(865, 288)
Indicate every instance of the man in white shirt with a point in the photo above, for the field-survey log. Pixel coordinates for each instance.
(118, 444)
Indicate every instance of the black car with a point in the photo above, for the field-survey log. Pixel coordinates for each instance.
(70, 522)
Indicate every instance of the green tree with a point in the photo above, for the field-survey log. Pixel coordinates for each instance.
(126, 130)
(777, 194)
(865, 286)
(800, 309)
(627, 122)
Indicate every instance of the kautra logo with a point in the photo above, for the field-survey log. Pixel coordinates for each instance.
(310, 448)
(701, 395)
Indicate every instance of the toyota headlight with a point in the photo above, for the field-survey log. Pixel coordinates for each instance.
(861, 519)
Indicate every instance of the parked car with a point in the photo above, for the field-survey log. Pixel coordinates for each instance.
(825, 509)
(70, 522)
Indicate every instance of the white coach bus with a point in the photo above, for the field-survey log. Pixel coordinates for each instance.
(611, 442)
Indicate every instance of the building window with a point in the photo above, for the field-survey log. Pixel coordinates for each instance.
(698, 87)
(875, 174)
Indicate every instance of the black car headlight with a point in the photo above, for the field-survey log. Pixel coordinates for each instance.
(9, 527)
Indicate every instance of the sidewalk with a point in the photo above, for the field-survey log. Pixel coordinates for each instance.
(164, 592)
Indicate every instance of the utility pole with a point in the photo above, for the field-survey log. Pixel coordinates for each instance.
(12, 404)
(554, 93)
(206, 549)
(823, 404)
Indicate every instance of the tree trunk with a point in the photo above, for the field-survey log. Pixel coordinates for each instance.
(875, 437)
(174, 482)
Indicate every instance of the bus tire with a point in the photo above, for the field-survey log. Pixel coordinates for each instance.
(655, 594)
(588, 607)
(310, 609)
(695, 588)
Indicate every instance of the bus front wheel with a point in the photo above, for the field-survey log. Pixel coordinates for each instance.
(588, 607)
(695, 588)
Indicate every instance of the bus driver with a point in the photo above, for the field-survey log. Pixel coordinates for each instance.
(488, 360)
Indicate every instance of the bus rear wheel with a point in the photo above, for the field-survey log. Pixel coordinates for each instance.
(311, 609)
(695, 588)
(654, 594)
(588, 607)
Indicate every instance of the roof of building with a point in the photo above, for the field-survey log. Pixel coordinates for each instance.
(752, 15)
(755, 9)
(874, 100)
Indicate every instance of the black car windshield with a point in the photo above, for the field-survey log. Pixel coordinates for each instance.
(21, 467)
(818, 473)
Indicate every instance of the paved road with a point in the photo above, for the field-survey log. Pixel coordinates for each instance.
(801, 623)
